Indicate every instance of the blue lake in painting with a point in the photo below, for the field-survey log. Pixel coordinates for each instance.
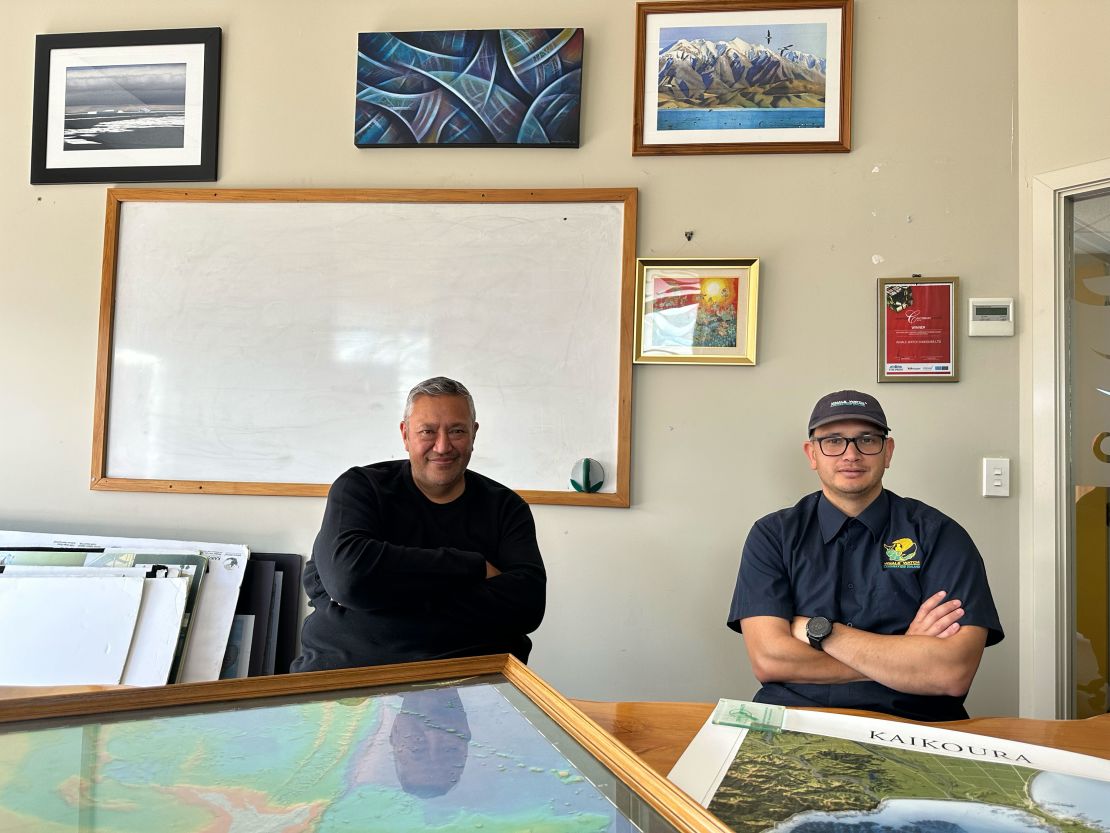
(740, 118)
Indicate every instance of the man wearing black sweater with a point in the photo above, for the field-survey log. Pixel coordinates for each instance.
(422, 559)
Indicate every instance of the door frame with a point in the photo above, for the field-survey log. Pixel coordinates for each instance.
(1047, 624)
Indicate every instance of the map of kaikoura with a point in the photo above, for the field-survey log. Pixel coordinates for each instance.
(859, 775)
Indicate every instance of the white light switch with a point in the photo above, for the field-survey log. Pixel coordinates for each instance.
(996, 477)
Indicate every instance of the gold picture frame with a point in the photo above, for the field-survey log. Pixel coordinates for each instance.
(781, 77)
(918, 329)
(116, 750)
(696, 311)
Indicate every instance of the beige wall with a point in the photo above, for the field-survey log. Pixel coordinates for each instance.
(1062, 121)
(638, 597)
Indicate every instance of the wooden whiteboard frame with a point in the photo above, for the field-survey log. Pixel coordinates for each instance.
(117, 197)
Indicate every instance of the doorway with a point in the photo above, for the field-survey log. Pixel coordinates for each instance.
(1065, 447)
(1087, 301)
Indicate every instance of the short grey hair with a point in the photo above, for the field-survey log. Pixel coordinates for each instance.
(439, 386)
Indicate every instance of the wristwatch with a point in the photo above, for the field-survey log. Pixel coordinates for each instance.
(817, 628)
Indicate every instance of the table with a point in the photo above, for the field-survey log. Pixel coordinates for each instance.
(659, 732)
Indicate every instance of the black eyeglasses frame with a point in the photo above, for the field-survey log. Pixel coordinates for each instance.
(854, 441)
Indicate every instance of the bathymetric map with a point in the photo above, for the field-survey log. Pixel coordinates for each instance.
(439, 759)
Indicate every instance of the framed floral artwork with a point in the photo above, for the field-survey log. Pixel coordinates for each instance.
(701, 311)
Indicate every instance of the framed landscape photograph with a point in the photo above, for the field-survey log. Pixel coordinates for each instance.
(918, 330)
(467, 744)
(469, 88)
(139, 106)
(701, 311)
(743, 76)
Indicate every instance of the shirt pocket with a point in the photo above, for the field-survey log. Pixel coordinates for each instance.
(894, 599)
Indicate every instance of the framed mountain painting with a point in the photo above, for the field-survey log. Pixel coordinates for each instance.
(743, 76)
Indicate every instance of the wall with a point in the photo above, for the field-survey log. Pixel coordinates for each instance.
(638, 597)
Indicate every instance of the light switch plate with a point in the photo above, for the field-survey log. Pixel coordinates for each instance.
(996, 477)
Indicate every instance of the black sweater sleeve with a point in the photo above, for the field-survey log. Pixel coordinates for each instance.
(514, 601)
(360, 570)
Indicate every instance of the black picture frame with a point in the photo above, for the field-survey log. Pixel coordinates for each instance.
(183, 101)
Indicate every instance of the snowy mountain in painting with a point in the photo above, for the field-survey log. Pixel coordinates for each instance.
(735, 73)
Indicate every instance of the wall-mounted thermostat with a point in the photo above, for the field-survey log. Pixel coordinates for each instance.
(990, 317)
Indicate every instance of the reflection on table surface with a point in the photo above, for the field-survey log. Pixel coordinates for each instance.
(659, 731)
(429, 738)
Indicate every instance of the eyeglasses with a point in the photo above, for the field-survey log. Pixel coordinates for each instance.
(865, 443)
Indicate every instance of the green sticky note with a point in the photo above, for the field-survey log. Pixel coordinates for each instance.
(760, 717)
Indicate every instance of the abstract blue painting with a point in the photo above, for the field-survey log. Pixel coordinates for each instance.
(478, 88)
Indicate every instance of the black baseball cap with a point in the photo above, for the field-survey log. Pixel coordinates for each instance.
(847, 404)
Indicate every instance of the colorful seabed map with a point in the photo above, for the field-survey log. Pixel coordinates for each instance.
(437, 759)
(806, 782)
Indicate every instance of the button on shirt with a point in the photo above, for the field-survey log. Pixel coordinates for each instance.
(871, 572)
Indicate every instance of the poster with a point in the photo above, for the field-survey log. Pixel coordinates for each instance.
(825, 772)
(917, 329)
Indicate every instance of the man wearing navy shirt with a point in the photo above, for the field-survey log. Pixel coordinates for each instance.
(856, 597)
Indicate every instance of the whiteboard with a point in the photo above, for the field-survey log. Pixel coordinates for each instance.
(262, 342)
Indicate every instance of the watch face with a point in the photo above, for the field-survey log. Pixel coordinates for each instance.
(818, 627)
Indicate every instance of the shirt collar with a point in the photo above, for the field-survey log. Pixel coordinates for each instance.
(832, 520)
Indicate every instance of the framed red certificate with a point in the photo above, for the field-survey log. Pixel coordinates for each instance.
(918, 329)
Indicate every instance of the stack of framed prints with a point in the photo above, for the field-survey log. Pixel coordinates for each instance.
(474, 744)
(204, 623)
(105, 616)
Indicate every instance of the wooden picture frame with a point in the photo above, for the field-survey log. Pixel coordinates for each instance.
(918, 329)
(271, 718)
(743, 76)
(262, 341)
(133, 106)
(697, 311)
